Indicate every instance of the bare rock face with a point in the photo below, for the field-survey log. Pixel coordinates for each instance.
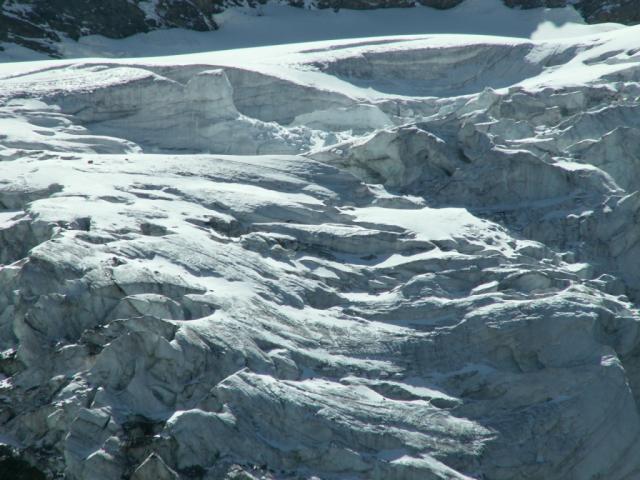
(441, 4)
(40, 24)
(537, 3)
(621, 11)
(593, 11)
(372, 4)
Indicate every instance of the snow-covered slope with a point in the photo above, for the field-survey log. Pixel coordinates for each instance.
(113, 32)
(384, 258)
(45, 26)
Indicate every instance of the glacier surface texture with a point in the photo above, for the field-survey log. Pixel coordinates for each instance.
(388, 259)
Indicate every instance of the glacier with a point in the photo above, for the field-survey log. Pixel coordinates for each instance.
(407, 258)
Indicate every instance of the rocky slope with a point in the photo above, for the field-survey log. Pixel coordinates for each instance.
(41, 24)
(384, 259)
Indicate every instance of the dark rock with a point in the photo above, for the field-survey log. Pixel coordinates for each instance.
(440, 4)
(13, 467)
(526, 4)
(40, 24)
(364, 4)
(619, 11)
(593, 11)
(111, 18)
(196, 15)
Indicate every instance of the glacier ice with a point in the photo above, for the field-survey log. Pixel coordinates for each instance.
(408, 259)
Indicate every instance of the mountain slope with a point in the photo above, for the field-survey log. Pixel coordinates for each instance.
(383, 258)
(42, 24)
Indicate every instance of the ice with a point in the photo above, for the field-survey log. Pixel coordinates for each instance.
(397, 257)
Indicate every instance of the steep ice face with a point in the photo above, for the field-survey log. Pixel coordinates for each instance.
(428, 72)
(294, 271)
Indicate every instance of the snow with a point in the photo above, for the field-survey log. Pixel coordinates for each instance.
(356, 257)
(274, 24)
(427, 223)
(299, 63)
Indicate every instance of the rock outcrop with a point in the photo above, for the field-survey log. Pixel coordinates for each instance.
(40, 24)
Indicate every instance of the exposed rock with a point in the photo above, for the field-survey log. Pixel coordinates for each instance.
(440, 4)
(621, 11)
(12, 466)
(39, 24)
